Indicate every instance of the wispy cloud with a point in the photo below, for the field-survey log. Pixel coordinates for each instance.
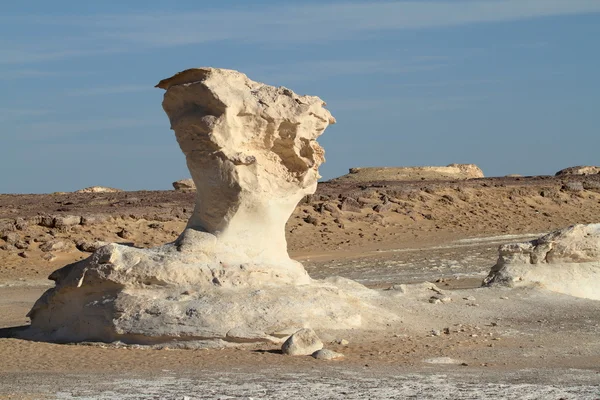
(25, 74)
(108, 90)
(53, 129)
(308, 71)
(15, 114)
(410, 104)
(314, 23)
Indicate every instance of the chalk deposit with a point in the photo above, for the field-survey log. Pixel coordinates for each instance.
(565, 261)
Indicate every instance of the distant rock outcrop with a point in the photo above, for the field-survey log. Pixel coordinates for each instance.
(565, 261)
(427, 173)
(579, 170)
(184, 185)
(98, 189)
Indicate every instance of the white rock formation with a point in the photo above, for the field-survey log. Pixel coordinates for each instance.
(565, 261)
(252, 153)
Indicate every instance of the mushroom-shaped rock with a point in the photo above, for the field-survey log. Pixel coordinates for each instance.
(251, 151)
(227, 279)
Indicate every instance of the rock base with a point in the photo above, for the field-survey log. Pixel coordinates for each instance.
(169, 297)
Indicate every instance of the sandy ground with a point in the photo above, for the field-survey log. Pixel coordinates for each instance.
(485, 343)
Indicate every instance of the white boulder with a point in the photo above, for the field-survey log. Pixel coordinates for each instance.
(302, 343)
(565, 261)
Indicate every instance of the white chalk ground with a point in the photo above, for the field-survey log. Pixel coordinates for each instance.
(330, 384)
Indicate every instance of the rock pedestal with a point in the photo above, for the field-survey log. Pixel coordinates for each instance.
(227, 279)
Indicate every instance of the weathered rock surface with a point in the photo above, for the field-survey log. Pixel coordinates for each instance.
(184, 184)
(302, 343)
(579, 170)
(565, 261)
(228, 278)
(449, 172)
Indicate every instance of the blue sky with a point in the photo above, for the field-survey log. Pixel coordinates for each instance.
(511, 85)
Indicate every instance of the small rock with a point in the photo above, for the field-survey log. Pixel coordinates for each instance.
(53, 245)
(90, 246)
(184, 185)
(124, 234)
(342, 342)
(332, 208)
(21, 224)
(434, 300)
(21, 245)
(436, 332)
(302, 343)
(380, 208)
(325, 354)
(11, 237)
(92, 219)
(7, 247)
(311, 220)
(446, 299)
(66, 220)
(24, 254)
(49, 257)
(469, 298)
(46, 221)
(350, 204)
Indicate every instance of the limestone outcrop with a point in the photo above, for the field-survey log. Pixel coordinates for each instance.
(579, 170)
(428, 173)
(565, 261)
(98, 189)
(252, 153)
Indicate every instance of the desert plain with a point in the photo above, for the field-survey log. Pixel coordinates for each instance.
(432, 241)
